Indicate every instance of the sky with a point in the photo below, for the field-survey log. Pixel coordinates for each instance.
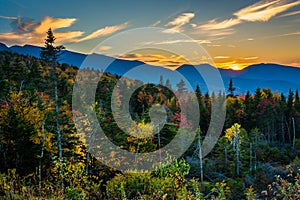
(235, 33)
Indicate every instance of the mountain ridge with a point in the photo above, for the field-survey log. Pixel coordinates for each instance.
(277, 77)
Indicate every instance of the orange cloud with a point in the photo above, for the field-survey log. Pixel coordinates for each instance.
(251, 58)
(104, 31)
(29, 32)
(221, 57)
(168, 61)
(53, 23)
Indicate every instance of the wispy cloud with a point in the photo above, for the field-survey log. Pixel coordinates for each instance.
(26, 31)
(251, 58)
(214, 25)
(104, 31)
(264, 10)
(8, 17)
(177, 23)
(156, 23)
(179, 41)
(214, 45)
(285, 34)
(261, 11)
(170, 61)
(290, 14)
(214, 32)
(293, 33)
(221, 57)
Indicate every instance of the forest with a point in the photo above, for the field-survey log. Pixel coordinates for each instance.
(44, 157)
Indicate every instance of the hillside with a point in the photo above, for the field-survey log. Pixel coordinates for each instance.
(276, 77)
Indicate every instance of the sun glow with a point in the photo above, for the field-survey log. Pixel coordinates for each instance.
(235, 67)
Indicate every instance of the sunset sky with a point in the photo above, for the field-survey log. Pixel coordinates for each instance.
(235, 33)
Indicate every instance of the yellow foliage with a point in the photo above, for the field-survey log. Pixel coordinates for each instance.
(231, 132)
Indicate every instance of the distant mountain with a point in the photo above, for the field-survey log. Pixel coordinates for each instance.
(276, 77)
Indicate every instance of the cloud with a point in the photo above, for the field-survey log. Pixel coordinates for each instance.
(180, 41)
(293, 33)
(8, 17)
(221, 57)
(261, 11)
(290, 14)
(53, 23)
(251, 58)
(285, 34)
(104, 31)
(104, 48)
(264, 10)
(26, 31)
(214, 45)
(179, 21)
(214, 25)
(169, 61)
(156, 23)
(215, 32)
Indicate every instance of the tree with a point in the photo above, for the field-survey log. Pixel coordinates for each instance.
(231, 89)
(233, 135)
(161, 80)
(20, 129)
(297, 103)
(50, 54)
(168, 84)
(181, 86)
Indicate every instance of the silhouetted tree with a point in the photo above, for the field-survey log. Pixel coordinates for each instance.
(231, 89)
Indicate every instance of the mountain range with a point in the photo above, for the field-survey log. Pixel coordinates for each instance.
(265, 75)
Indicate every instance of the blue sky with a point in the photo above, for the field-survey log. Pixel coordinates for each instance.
(235, 33)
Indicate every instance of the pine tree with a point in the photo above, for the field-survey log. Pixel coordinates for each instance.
(231, 89)
(181, 86)
(297, 102)
(50, 54)
(161, 80)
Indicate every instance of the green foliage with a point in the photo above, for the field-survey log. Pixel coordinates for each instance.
(250, 193)
(220, 190)
(28, 140)
(167, 182)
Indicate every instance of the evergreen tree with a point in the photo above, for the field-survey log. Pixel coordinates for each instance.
(231, 89)
(181, 86)
(168, 84)
(297, 103)
(50, 54)
(161, 80)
